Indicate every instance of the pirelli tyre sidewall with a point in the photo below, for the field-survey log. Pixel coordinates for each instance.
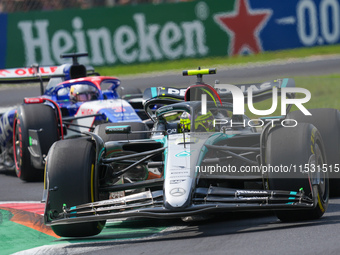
(327, 121)
(301, 149)
(37, 117)
(71, 181)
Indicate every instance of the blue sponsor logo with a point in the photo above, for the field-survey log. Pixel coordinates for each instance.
(183, 154)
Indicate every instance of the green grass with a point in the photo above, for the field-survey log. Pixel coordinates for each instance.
(184, 64)
(325, 90)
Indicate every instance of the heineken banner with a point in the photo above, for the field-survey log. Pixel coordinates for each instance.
(148, 33)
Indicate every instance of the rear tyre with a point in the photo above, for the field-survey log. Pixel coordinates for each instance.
(295, 147)
(70, 172)
(33, 116)
(135, 126)
(327, 121)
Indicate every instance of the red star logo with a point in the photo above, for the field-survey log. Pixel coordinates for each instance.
(243, 25)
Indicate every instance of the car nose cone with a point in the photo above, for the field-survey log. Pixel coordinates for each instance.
(177, 192)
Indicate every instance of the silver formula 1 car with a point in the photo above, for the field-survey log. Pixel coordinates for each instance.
(199, 158)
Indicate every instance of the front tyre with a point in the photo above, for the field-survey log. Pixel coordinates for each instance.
(327, 121)
(70, 173)
(299, 146)
(37, 117)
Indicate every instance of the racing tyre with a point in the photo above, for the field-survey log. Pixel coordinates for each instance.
(327, 121)
(300, 148)
(70, 172)
(38, 117)
(135, 126)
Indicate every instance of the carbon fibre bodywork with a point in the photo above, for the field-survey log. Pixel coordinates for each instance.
(177, 173)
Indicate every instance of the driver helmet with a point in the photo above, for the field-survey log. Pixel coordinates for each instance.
(83, 93)
(204, 122)
(185, 122)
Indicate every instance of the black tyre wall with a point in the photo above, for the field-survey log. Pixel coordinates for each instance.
(70, 171)
(327, 121)
(34, 116)
(294, 147)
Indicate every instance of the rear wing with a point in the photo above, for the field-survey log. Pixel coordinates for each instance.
(224, 92)
(36, 74)
(260, 91)
(26, 74)
(164, 92)
(45, 73)
(176, 93)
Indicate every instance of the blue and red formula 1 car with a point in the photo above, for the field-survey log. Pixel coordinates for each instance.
(74, 100)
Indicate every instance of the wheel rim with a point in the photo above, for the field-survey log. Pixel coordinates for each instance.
(319, 177)
(17, 149)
